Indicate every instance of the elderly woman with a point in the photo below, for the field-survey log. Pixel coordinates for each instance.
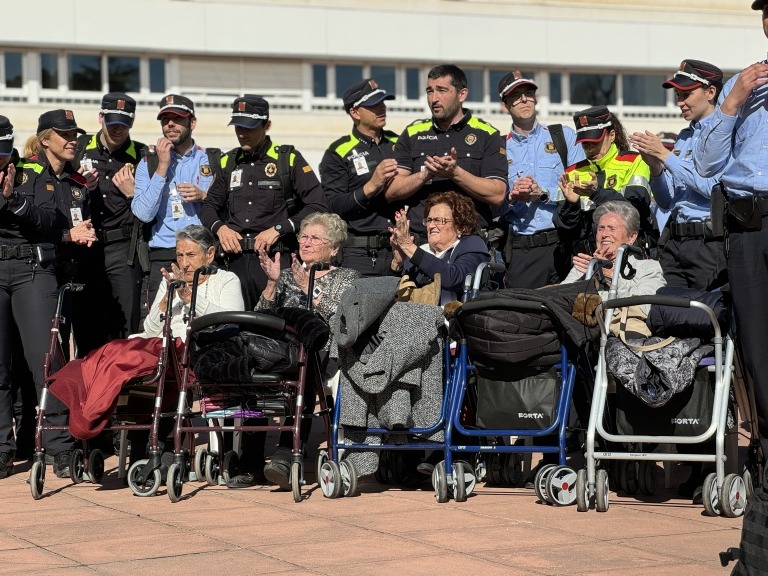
(453, 248)
(320, 238)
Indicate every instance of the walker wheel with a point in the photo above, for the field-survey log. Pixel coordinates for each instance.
(440, 482)
(348, 478)
(231, 462)
(628, 473)
(560, 486)
(201, 452)
(322, 458)
(296, 481)
(514, 469)
(494, 476)
(330, 480)
(582, 492)
(732, 496)
(710, 495)
(95, 466)
(481, 468)
(469, 478)
(212, 469)
(37, 479)
(76, 466)
(601, 491)
(149, 486)
(540, 482)
(646, 478)
(459, 484)
(174, 482)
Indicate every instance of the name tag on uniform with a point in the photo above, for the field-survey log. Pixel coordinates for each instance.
(361, 166)
(177, 209)
(77, 216)
(236, 178)
(86, 164)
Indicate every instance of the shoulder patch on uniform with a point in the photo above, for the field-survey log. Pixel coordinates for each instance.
(418, 126)
(481, 125)
(307, 169)
(627, 156)
(21, 178)
(205, 170)
(611, 182)
(49, 187)
(270, 169)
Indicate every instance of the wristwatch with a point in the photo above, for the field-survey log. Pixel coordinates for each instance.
(279, 229)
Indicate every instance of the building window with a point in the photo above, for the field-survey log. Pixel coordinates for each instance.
(13, 70)
(593, 89)
(385, 77)
(319, 80)
(49, 66)
(555, 87)
(157, 75)
(346, 76)
(123, 74)
(85, 72)
(494, 77)
(474, 85)
(643, 90)
(412, 89)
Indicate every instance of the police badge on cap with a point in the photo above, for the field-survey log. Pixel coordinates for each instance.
(118, 108)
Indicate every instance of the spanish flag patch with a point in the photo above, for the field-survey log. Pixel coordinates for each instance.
(307, 169)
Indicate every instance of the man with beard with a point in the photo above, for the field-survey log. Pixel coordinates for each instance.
(537, 155)
(355, 171)
(113, 281)
(259, 198)
(453, 150)
(171, 184)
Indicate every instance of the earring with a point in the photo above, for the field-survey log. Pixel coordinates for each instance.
(459, 235)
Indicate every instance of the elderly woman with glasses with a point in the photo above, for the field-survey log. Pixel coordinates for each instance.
(321, 237)
(453, 248)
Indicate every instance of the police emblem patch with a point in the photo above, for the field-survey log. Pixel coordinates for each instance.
(21, 178)
(270, 169)
(205, 170)
(470, 139)
(676, 152)
(77, 194)
(131, 168)
(241, 106)
(68, 115)
(611, 182)
(549, 148)
(121, 104)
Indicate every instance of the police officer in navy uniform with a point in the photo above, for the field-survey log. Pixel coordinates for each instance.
(692, 255)
(734, 143)
(536, 254)
(452, 150)
(113, 283)
(355, 171)
(247, 206)
(30, 223)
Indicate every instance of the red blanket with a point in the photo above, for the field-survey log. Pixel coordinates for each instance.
(90, 387)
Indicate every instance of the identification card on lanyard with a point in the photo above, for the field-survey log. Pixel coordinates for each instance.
(177, 209)
(236, 178)
(86, 164)
(77, 216)
(360, 164)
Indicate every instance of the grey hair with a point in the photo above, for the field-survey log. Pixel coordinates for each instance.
(200, 235)
(624, 210)
(335, 227)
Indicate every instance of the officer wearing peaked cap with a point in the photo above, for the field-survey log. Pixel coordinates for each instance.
(355, 171)
(114, 274)
(734, 143)
(268, 190)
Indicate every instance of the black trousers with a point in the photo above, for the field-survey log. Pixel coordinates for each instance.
(28, 295)
(252, 278)
(694, 263)
(748, 276)
(368, 263)
(534, 267)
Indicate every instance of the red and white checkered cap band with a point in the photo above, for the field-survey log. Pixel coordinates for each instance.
(123, 112)
(594, 127)
(254, 116)
(367, 97)
(7, 137)
(182, 106)
(693, 77)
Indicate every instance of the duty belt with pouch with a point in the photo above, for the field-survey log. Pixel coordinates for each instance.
(41, 253)
(248, 244)
(748, 212)
(372, 242)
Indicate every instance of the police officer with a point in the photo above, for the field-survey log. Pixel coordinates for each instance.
(453, 150)
(692, 255)
(171, 184)
(259, 198)
(32, 220)
(734, 143)
(113, 282)
(355, 171)
(536, 254)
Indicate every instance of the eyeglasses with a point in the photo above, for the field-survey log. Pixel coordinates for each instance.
(314, 240)
(515, 99)
(438, 221)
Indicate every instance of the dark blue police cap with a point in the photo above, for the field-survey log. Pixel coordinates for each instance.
(118, 108)
(59, 120)
(176, 104)
(249, 111)
(592, 123)
(365, 93)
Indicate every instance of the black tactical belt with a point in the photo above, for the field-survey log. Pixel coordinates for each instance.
(691, 230)
(248, 244)
(117, 235)
(374, 242)
(162, 254)
(537, 240)
(19, 251)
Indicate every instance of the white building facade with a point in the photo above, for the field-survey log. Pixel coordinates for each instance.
(301, 55)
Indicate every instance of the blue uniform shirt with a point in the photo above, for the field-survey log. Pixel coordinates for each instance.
(535, 155)
(154, 197)
(737, 145)
(679, 187)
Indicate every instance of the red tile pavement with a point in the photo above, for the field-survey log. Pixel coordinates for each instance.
(90, 529)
